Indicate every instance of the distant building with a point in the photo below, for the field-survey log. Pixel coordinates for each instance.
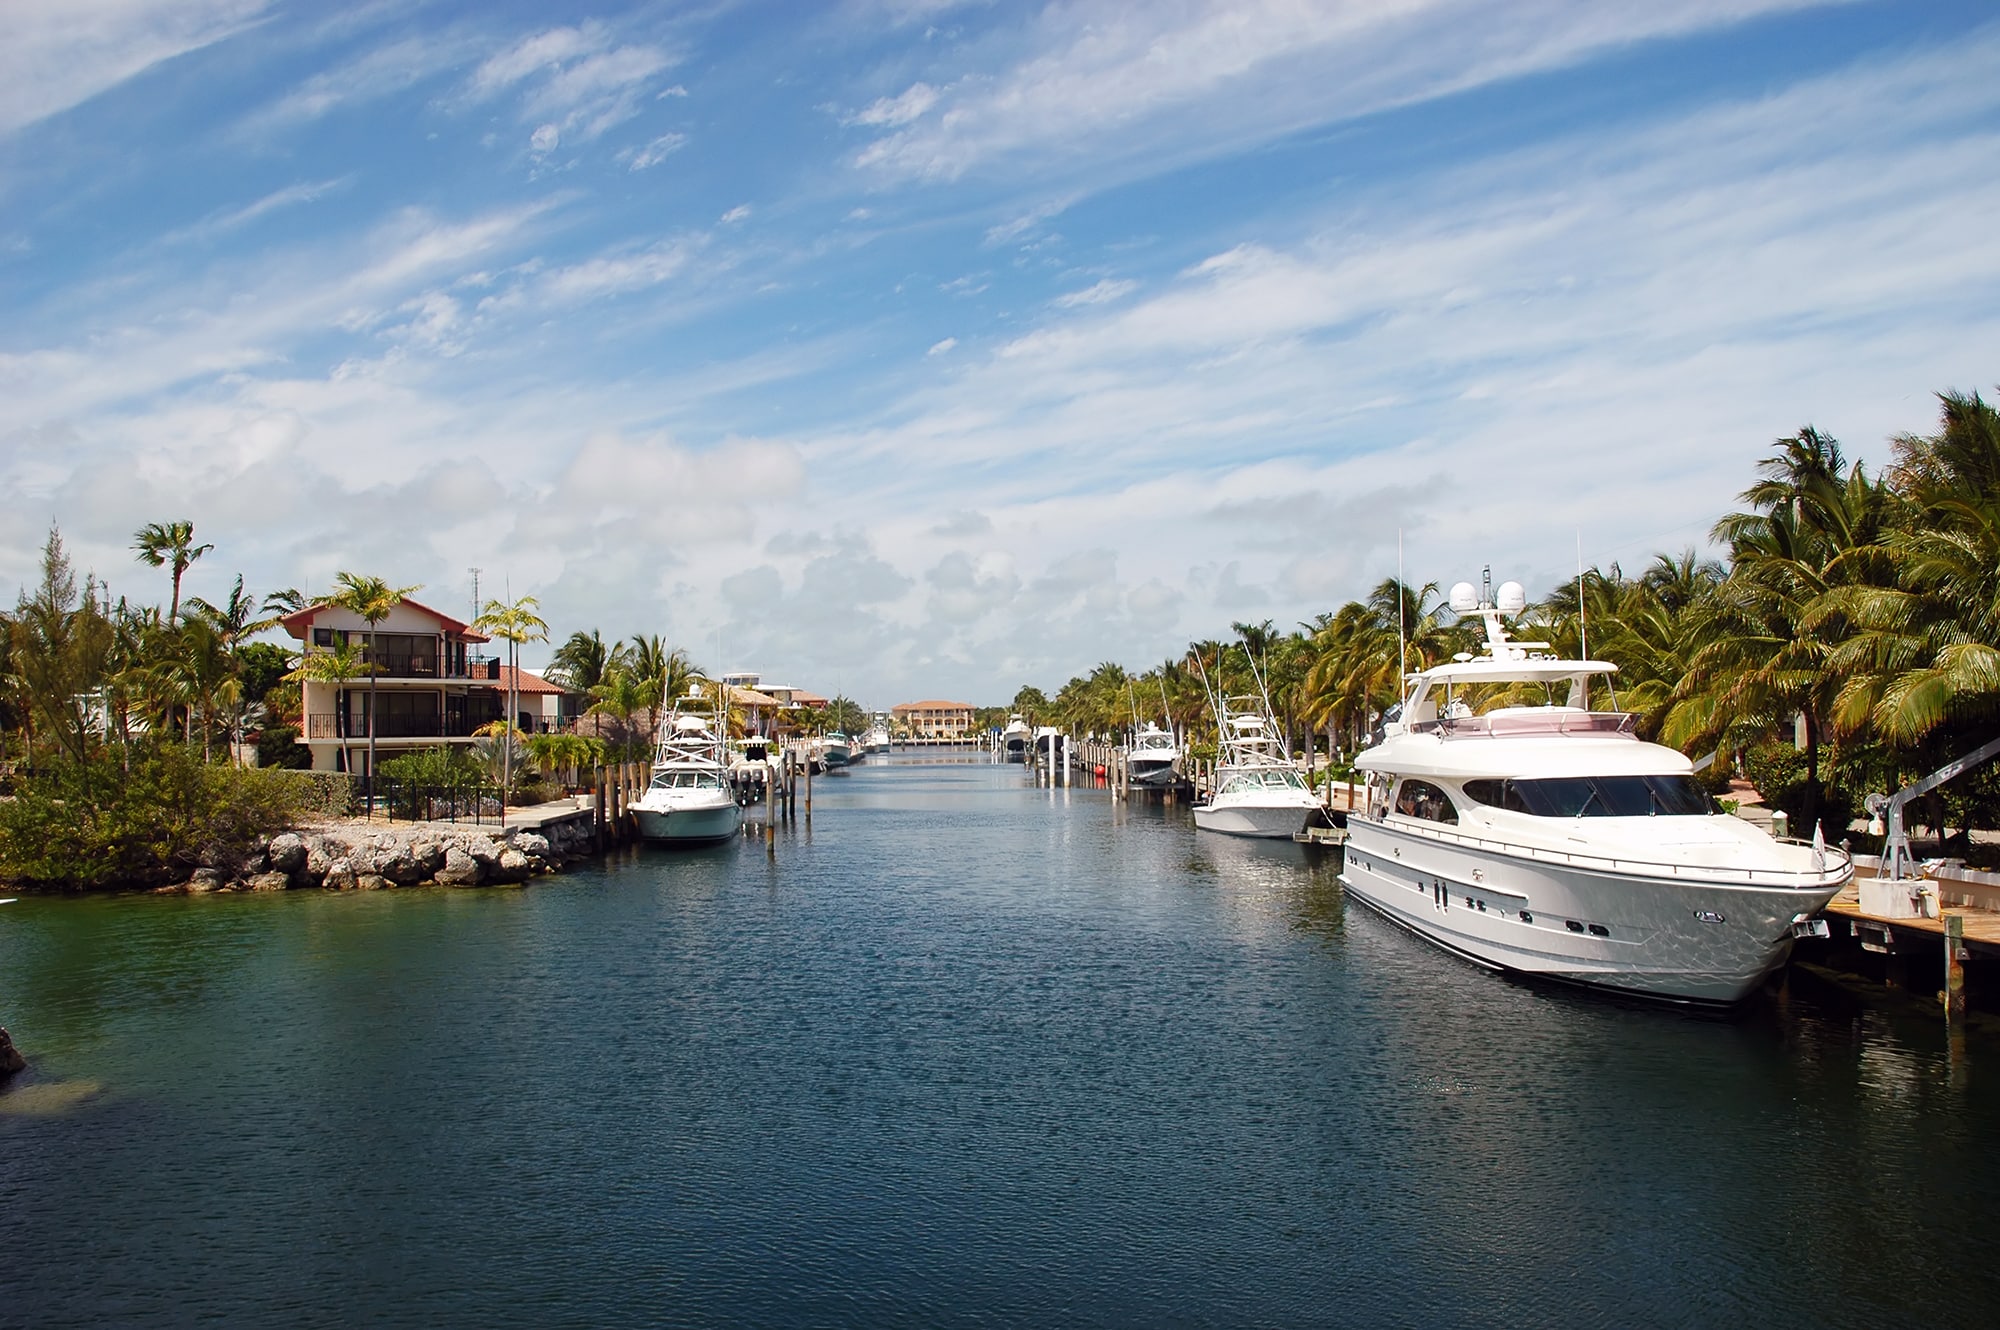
(431, 689)
(935, 720)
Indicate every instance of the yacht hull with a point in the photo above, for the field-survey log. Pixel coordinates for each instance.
(1265, 821)
(702, 825)
(1154, 774)
(1691, 941)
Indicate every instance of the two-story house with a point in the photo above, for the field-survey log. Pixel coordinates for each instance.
(430, 687)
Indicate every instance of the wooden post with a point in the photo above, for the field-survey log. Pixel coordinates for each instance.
(601, 819)
(1954, 965)
(770, 809)
(809, 788)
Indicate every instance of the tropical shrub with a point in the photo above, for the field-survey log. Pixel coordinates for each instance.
(278, 746)
(143, 822)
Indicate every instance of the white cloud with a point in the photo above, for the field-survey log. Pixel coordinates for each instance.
(1108, 81)
(56, 56)
(939, 348)
(739, 213)
(581, 79)
(1102, 293)
(898, 110)
(653, 153)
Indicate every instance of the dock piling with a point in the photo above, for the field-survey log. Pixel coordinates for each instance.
(1954, 966)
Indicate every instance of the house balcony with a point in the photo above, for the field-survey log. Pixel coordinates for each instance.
(326, 725)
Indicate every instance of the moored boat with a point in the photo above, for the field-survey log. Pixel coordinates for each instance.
(1256, 790)
(1153, 757)
(1550, 839)
(1014, 739)
(689, 800)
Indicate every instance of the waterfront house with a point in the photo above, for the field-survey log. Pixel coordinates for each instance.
(541, 706)
(431, 687)
(944, 722)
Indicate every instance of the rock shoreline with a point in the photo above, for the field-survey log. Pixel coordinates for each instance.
(360, 857)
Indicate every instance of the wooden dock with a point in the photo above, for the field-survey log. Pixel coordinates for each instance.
(1981, 928)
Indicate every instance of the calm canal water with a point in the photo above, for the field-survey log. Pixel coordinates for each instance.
(968, 1053)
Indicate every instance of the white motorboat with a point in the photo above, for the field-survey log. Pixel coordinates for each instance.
(689, 800)
(1153, 757)
(1014, 739)
(835, 751)
(1257, 790)
(877, 738)
(1549, 839)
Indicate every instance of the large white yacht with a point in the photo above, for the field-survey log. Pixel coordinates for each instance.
(1257, 791)
(689, 800)
(1548, 838)
(1152, 759)
(1014, 739)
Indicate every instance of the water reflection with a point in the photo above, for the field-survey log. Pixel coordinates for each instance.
(961, 1051)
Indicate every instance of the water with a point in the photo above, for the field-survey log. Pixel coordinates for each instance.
(969, 1053)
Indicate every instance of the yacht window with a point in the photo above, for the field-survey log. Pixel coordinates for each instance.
(1420, 798)
(1488, 792)
(1606, 796)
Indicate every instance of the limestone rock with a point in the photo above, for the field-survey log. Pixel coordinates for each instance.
(371, 882)
(273, 881)
(512, 866)
(429, 855)
(460, 869)
(320, 856)
(485, 851)
(202, 881)
(402, 868)
(339, 876)
(287, 853)
(532, 845)
(11, 1060)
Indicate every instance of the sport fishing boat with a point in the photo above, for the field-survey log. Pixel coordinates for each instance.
(1014, 739)
(1257, 790)
(1153, 758)
(1534, 834)
(689, 800)
(877, 740)
(835, 751)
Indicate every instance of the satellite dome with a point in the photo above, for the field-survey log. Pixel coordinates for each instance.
(1464, 600)
(1511, 599)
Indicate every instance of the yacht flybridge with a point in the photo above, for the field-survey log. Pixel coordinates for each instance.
(689, 800)
(1256, 789)
(1534, 834)
(1152, 760)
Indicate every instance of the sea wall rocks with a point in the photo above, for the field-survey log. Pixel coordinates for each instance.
(363, 857)
(11, 1060)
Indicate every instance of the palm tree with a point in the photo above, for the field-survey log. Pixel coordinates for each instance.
(580, 663)
(162, 543)
(1926, 652)
(374, 600)
(512, 624)
(618, 698)
(337, 664)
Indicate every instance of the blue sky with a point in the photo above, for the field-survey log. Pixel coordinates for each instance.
(914, 348)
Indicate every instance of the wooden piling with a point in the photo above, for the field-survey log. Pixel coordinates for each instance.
(1954, 965)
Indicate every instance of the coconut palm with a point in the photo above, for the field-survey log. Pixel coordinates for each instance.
(373, 600)
(338, 665)
(512, 624)
(617, 699)
(164, 544)
(581, 661)
(1925, 654)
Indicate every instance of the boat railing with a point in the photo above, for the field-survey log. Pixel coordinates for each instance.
(1508, 724)
(1839, 863)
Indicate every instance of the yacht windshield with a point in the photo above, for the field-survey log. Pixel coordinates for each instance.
(1594, 796)
(686, 780)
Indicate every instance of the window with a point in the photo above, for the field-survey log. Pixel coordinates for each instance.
(1421, 799)
(1593, 796)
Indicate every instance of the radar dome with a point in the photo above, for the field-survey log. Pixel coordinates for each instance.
(1464, 600)
(1511, 599)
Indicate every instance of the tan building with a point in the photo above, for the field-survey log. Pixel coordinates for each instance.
(430, 688)
(935, 720)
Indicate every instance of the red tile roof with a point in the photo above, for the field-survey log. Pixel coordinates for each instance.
(298, 621)
(527, 682)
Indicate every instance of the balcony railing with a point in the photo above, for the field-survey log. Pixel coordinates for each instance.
(326, 725)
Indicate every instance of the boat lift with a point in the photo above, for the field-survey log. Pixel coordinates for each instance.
(1899, 890)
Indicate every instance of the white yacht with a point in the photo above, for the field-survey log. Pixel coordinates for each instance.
(835, 751)
(1257, 790)
(877, 739)
(1549, 839)
(689, 800)
(1014, 739)
(1152, 759)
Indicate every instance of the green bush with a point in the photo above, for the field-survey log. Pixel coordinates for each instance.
(447, 768)
(278, 746)
(104, 823)
(1778, 770)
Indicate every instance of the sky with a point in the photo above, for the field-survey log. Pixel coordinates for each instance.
(919, 349)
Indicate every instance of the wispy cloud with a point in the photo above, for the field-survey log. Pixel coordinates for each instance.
(661, 148)
(1106, 81)
(1102, 293)
(234, 219)
(56, 56)
(579, 80)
